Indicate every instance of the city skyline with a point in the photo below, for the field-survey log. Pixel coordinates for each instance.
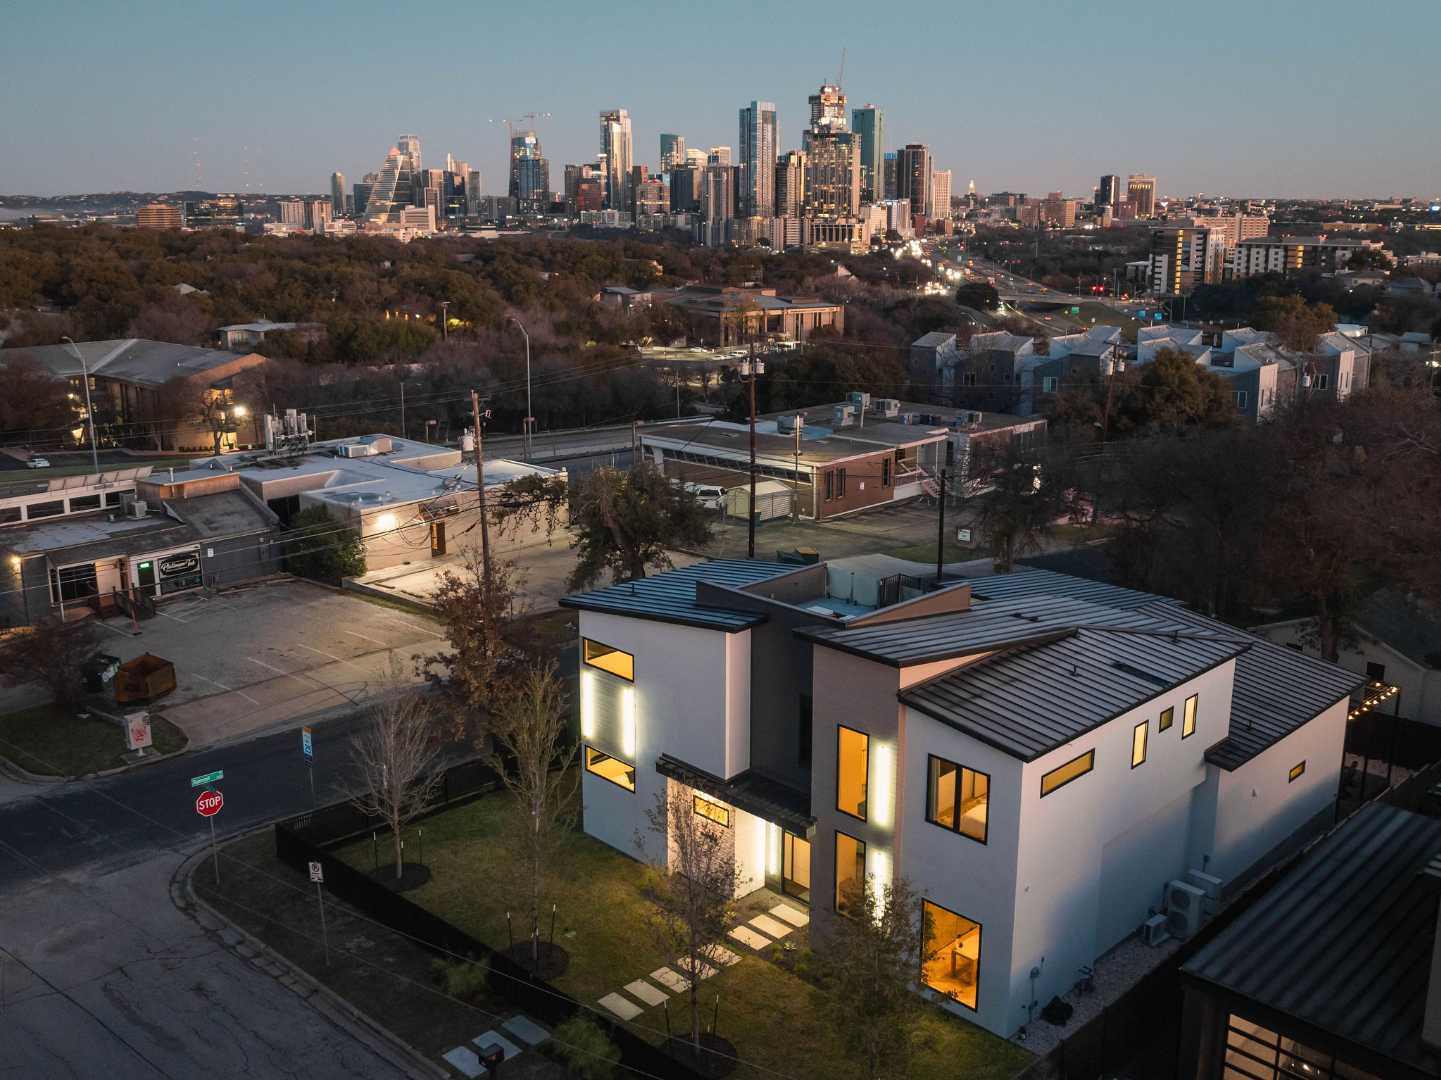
(1010, 120)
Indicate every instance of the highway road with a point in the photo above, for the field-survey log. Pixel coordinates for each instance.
(104, 976)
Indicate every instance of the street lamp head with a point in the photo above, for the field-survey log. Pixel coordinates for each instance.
(240, 410)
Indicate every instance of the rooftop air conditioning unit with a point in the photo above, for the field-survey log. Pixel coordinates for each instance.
(1183, 908)
(354, 450)
(136, 508)
(843, 415)
(1154, 931)
(887, 406)
(790, 423)
(973, 417)
(859, 398)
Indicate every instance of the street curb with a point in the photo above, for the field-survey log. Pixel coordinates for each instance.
(24, 776)
(267, 960)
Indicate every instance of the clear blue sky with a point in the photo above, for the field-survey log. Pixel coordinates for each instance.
(1288, 97)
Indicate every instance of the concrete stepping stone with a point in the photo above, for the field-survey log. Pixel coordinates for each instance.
(706, 970)
(790, 915)
(766, 925)
(622, 1007)
(526, 1030)
(644, 991)
(496, 1038)
(464, 1061)
(746, 936)
(719, 954)
(676, 984)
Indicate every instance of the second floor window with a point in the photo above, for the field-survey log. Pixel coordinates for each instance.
(1188, 716)
(957, 798)
(852, 760)
(608, 658)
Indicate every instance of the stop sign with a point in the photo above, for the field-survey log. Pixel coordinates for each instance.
(208, 803)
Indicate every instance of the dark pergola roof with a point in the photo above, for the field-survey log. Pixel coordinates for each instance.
(755, 794)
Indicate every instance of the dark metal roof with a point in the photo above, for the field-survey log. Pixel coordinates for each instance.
(1029, 700)
(1276, 690)
(1034, 582)
(670, 597)
(755, 794)
(1343, 943)
(993, 624)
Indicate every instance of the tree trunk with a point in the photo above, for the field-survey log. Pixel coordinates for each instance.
(399, 851)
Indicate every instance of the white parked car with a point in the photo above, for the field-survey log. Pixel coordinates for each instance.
(710, 496)
(38, 463)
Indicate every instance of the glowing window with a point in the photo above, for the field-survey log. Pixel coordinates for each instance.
(1188, 717)
(609, 659)
(1297, 771)
(610, 768)
(1138, 743)
(852, 761)
(951, 963)
(1064, 774)
(958, 798)
(850, 872)
(721, 815)
(1168, 716)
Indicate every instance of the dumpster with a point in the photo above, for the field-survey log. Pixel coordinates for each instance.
(98, 671)
(145, 678)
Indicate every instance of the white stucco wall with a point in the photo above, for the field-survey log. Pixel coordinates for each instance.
(1257, 807)
(1095, 854)
(683, 707)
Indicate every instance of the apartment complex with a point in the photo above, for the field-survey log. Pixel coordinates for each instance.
(158, 216)
(1049, 761)
(1184, 257)
(1289, 254)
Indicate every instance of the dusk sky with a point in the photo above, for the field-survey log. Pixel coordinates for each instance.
(1277, 97)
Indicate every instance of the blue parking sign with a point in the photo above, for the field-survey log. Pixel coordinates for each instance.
(307, 745)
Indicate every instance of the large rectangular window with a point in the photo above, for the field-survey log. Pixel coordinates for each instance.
(1064, 774)
(713, 811)
(611, 768)
(852, 760)
(1138, 743)
(1168, 717)
(1257, 1053)
(610, 659)
(957, 798)
(850, 872)
(951, 962)
(1188, 717)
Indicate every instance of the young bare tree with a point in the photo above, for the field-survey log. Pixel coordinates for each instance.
(51, 654)
(529, 723)
(692, 898)
(1022, 493)
(395, 759)
(868, 970)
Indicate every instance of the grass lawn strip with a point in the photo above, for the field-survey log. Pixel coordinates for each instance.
(51, 741)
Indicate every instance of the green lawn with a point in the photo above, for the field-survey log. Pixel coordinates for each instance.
(773, 1017)
(926, 552)
(50, 740)
(600, 919)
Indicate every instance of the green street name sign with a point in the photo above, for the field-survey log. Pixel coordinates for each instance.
(208, 778)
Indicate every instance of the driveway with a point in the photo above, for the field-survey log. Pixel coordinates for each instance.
(251, 659)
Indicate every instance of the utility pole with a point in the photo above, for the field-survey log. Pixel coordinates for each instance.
(445, 320)
(753, 367)
(480, 483)
(941, 527)
(402, 408)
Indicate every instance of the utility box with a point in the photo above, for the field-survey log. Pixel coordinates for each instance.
(773, 500)
(145, 678)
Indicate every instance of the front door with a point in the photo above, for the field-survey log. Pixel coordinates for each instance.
(145, 577)
(796, 866)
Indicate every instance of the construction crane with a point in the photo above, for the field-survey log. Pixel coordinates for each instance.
(527, 119)
(841, 78)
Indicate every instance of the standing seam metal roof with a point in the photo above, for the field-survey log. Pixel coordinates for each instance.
(1344, 941)
(1030, 700)
(670, 597)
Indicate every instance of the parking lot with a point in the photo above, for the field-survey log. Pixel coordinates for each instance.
(252, 659)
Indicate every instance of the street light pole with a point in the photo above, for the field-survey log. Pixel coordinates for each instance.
(529, 418)
(89, 412)
(445, 320)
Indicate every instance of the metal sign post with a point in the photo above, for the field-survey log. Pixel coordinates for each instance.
(207, 805)
(317, 875)
(307, 747)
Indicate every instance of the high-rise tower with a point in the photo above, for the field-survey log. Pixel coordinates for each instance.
(869, 124)
(615, 146)
(758, 145)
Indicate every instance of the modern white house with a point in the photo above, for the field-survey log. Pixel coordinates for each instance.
(1054, 764)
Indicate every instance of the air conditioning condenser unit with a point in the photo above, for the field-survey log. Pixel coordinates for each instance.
(1183, 908)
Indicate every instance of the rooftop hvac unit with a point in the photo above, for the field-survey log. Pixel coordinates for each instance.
(136, 508)
(887, 406)
(859, 398)
(1154, 932)
(355, 450)
(1208, 884)
(909, 418)
(790, 423)
(1183, 908)
(844, 415)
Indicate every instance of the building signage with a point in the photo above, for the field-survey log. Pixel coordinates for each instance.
(137, 730)
(185, 562)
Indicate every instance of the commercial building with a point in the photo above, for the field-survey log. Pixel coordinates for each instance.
(833, 157)
(171, 397)
(291, 212)
(1108, 192)
(790, 184)
(529, 174)
(672, 151)
(1141, 194)
(618, 157)
(1184, 257)
(940, 205)
(1291, 254)
(914, 177)
(337, 194)
(1049, 761)
(757, 147)
(732, 314)
(158, 216)
(869, 124)
(717, 205)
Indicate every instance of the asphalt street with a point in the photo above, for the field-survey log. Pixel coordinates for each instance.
(101, 975)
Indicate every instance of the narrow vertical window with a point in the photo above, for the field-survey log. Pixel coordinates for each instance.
(1138, 743)
(1188, 717)
(850, 872)
(852, 762)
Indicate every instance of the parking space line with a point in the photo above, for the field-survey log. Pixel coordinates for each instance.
(227, 689)
(420, 629)
(366, 637)
(332, 656)
(272, 667)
